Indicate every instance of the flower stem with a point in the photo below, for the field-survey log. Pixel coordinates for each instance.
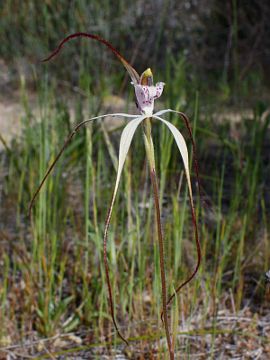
(151, 159)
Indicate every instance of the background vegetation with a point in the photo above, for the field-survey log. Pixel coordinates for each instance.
(213, 57)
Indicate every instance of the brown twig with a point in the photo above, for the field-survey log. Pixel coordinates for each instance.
(69, 138)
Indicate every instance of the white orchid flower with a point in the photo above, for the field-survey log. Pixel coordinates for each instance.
(146, 93)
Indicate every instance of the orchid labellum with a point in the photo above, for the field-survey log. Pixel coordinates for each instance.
(146, 93)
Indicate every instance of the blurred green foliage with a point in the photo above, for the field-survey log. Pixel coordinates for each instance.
(52, 273)
(222, 42)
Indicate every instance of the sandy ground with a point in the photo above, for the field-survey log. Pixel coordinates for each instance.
(11, 104)
(12, 112)
(11, 109)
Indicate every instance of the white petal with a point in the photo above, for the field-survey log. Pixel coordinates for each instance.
(181, 144)
(125, 141)
(161, 112)
(69, 138)
(112, 115)
(158, 89)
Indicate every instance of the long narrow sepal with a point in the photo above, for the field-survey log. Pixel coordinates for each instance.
(132, 72)
(125, 142)
(181, 144)
(188, 126)
(67, 141)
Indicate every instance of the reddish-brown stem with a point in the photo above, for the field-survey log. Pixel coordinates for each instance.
(69, 138)
(105, 259)
(196, 166)
(194, 221)
(198, 246)
(161, 260)
(132, 72)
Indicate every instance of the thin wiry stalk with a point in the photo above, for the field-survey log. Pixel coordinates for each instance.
(198, 246)
(132, 72)
(194, 221)
(161, 260)
(204, 203)
(196, 166)
(67, 141)
(107, 222)
(105, 259)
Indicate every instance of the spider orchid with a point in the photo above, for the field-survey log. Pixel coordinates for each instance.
(146, 93)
